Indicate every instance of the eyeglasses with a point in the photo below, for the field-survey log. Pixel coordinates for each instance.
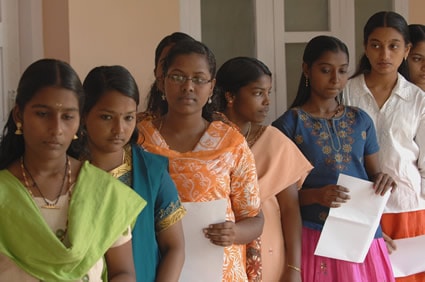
(180, 79)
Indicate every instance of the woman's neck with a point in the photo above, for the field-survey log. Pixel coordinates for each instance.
(323, 108)
(243, 124)
(381, 86)
(182, 133)
(374, 80)
(44, 166)
(106, 161)
(182, 124)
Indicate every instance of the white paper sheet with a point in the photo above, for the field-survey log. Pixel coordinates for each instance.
(409, 257)
(349, 229)
(203, 260)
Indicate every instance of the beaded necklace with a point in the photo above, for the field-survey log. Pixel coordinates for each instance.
(48, 205)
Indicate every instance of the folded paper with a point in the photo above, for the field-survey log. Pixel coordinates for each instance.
(349, 229)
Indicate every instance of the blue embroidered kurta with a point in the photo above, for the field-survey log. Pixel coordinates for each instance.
(333, 146)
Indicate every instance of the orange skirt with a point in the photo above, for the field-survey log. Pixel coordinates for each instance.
(405, 225)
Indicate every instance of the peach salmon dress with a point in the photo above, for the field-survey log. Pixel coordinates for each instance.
(279, 164)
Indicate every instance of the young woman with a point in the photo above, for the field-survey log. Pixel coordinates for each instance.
(109, 124)
(335, 139)
(60, 217)
(208, 160)
(397, 108)
(242, 89)
(416, 58)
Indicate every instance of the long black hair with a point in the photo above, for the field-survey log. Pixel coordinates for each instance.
(384, 19)
(315, 48)
(40, 74)
(235, 74)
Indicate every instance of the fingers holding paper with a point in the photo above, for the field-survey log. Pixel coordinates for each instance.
(382, 182)
(391, 246)
(333, 195)
(221, 234)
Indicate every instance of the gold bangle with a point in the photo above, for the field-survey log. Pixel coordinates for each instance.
(294, 267)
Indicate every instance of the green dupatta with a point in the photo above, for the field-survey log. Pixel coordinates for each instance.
(100, 210)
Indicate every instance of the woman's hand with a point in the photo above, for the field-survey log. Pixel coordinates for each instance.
(221, 234)
(382, 183)
(332, 195)
(391, 246)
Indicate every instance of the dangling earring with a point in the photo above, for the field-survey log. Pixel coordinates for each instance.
(306, 81)
(75, 137)
(18, 129)
(209, 100)
(163, 97)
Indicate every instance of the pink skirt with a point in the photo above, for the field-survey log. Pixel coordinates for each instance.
(376, 266)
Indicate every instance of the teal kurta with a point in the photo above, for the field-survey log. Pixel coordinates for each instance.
(148, 176)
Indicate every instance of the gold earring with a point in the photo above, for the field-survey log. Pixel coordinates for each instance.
(75, 137)
(18, 128)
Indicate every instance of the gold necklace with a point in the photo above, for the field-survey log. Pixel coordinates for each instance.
(47, 205)
(246, 135)
(337, 111)
(257, 135)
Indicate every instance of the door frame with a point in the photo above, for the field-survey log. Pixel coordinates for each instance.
(270, 46)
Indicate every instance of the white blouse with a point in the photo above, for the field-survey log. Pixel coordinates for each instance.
(400, 126)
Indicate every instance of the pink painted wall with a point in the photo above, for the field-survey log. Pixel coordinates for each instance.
(56, 29)
(109, 32)
(417, 11)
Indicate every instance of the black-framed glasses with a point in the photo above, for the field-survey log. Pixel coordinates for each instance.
(180, 79)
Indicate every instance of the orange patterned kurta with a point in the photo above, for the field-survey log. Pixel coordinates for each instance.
(220, 166)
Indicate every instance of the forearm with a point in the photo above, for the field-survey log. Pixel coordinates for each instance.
(291, 227)
(170, 266)
(290, 219)
(248, 229)
(307, 197)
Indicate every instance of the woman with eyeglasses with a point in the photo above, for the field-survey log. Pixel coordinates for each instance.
(209, 160)
(154, 97)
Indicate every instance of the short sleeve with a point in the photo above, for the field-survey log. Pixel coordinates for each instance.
(168, 208)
